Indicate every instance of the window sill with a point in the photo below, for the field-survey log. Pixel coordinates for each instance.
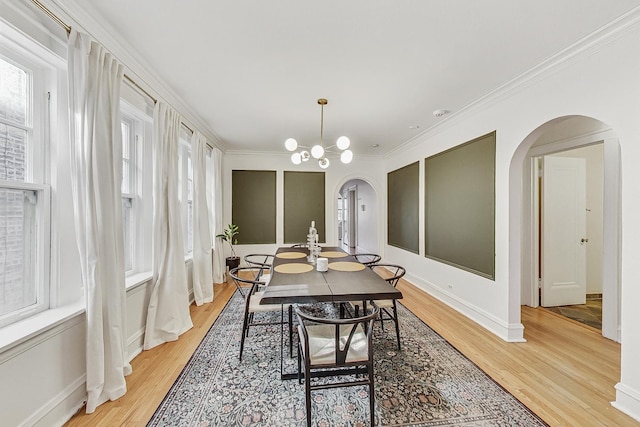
(19, 332)
(134, 280)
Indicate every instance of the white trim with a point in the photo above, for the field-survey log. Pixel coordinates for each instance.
(508, 332)
(627, 401)
(25, 334)
(586, 46)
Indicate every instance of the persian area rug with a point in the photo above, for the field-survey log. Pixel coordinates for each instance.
(428, 383)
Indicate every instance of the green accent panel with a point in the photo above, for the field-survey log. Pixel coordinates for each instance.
(460, 206)
(304, 201)
(253, 205)
(402, 207)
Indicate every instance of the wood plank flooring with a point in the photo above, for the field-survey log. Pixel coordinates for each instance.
(565, 372)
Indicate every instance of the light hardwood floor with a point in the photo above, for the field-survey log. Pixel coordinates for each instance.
(565, 372)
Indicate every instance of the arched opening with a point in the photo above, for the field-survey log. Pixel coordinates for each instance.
(560, 138)
(357, 217)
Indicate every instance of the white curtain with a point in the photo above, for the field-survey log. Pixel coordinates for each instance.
(202, 263)
(168, 315)
(96, 166)
(219, 265)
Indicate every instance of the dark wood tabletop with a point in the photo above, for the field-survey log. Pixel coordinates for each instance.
(330, 286)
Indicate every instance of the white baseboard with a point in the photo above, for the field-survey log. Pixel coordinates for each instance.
(508, 332)
(61, 407)
(627, 401)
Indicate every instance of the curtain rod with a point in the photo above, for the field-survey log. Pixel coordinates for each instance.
(67, 28)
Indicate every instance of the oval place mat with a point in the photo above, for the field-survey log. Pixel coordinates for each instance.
(293, 267)
(333, 254)
(291, 255)
(346, 266)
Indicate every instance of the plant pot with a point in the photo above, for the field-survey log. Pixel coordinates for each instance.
(233, 262)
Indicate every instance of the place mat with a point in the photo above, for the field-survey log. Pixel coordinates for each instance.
(291, 255)
(346, 266)
(333, 254)
(293, 267)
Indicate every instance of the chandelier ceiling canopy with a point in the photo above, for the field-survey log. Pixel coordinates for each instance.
(318, 151)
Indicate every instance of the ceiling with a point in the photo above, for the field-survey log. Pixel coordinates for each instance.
(252, 70)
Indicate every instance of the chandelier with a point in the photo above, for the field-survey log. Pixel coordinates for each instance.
(318, 151)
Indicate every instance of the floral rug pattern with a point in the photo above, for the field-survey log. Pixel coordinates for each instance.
(427, 383)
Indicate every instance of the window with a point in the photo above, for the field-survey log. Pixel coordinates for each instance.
(24, 199)
(129, 142)
(136, 182)
(185, 189)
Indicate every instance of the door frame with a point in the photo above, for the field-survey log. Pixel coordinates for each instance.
(611, 230)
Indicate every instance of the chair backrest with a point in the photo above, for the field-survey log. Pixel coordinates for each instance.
(248, 276)
(259, 260)
(300, 245)
(383, 270)
(367, 259)
(344, 331)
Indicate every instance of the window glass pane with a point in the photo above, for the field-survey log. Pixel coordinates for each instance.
(17, 247)
(189, 204)
(14, 93)
(126, 158)
(128, 238)
(13, 143)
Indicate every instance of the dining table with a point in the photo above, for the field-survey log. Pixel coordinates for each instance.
(296, 280)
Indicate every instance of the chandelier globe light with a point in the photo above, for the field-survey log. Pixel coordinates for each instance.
(318, 151)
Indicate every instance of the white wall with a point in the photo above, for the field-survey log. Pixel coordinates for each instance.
(335, 177)
(602, 82)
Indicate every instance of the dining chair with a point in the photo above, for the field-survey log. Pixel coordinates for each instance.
(367, 259)
(330, 347)
(243, 276)
(388, 308)
(261, 260)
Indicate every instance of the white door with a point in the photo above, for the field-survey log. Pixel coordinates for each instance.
(564, 240)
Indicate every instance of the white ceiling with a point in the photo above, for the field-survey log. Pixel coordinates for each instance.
(253, 70)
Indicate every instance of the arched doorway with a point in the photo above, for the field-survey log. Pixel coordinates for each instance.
(357, 217)
(560, 135)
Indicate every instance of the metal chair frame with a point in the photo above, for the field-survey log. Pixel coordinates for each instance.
(387, 313)
(255, 292)
(341, 366)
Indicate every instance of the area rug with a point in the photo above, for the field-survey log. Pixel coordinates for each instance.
(427, 383)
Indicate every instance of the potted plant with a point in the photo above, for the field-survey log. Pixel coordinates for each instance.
(229, 235)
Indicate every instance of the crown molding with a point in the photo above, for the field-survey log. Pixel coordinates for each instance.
(81, 15)
(588, 45)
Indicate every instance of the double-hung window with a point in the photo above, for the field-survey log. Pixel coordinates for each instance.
(136, 183)
(185, 190)
(129, 178)
(24, 197)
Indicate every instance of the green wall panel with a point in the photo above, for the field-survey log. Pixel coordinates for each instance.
(460, 206)
(304, 201)
(254, 205)
(402, 207)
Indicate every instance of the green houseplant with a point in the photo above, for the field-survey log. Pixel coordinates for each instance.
(229, 235)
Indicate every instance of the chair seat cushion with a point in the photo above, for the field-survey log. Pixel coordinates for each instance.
(256, 307)
(322, 344)
(383, 303)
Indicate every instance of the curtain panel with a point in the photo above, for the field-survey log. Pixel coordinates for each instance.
(219, 265)
(95, 78)
(168, 316)
(202, 261)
